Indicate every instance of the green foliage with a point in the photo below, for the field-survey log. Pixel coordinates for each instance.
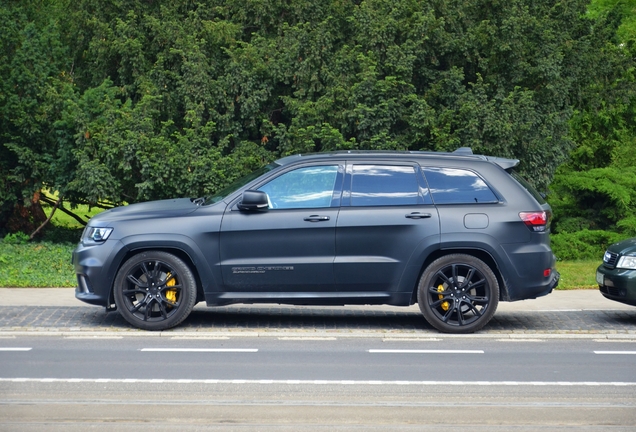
(625, 9)
(133, 100)
(36, 265)
(600, 198)
(584, 244)
(47, 264)
(59, 234)
(33, 82)
(596, 188)
(16, 238)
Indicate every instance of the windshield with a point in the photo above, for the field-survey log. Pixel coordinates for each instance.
(237, 184)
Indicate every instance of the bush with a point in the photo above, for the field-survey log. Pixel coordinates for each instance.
(16, 238)
(584, 244)
(62, 234)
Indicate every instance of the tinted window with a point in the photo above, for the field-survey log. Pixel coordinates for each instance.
(237, 184)
(383, 185)
(306, 187)
(457, 186)
(528, 187)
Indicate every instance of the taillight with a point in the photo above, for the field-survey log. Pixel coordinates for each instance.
(535, 221)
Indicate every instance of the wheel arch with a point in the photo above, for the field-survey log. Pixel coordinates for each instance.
(187, 254)
(481, 254)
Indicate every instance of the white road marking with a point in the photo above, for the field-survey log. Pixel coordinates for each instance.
(614, 340)
(200, 337)
(615, 352)
(94, 337)
(212, 350)
(417, 351)
(15, 349)
(560, 310)
(307, 338)
(325, 382)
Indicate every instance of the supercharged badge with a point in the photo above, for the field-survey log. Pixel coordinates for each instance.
(260, 269)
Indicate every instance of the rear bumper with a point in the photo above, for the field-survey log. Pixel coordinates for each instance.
(534, 271)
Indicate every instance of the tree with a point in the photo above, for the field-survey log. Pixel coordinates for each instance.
(593, 193)
(147, 100)
(34, 81)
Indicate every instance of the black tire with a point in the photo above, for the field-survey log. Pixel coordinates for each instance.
(155, 290)
(458, 293)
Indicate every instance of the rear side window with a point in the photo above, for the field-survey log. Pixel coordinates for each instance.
(384, 185)
(457, 186)
(527, 186)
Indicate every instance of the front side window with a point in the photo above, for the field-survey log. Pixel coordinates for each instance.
(384, 185)
(239, 183)
(307, 187)
(457, 186)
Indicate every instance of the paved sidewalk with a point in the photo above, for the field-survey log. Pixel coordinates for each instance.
(558, 300)
(578, 314)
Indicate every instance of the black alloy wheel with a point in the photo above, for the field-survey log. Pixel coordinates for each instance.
(155, 290)
(458, 293)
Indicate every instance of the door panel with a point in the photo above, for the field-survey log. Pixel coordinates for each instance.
(290, 247)
(278, 250)
(374, 245)
(387, 218)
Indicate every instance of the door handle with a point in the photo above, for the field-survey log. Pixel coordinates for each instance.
(418, 215)
(316, 218)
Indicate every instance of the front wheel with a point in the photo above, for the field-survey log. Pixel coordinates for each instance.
(155, 290)
(458, 293)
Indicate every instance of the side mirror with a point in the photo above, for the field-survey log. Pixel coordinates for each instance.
(253, 200)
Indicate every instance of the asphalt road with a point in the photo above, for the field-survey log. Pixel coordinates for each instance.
(328, 359)
(562, 362)
(291, 383)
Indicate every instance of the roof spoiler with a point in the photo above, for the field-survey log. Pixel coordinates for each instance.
(504, 163)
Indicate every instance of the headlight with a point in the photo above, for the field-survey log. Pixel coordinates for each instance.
(627, 262)
(98, 234)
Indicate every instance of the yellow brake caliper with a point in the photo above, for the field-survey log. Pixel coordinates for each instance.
(445, 305)
(171, 294)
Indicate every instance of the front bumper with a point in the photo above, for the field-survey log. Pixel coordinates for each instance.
(617, 284)
(95, 266)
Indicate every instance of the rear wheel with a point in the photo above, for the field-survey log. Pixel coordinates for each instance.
(458, 293)
(155, 290)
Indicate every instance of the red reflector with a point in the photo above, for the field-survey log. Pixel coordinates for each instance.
(536, 221)
(547, 272)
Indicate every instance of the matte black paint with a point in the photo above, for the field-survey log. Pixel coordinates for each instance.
(333, 255)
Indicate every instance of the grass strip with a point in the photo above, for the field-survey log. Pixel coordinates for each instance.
(47, 264)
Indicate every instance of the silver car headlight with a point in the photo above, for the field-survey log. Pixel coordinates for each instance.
(627, 262)
(98, 234)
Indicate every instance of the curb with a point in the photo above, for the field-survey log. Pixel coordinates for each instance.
(291, 335)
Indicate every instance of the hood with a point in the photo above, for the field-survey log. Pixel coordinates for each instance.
(147, 210)
(626, 247)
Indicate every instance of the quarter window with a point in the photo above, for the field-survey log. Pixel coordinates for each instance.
(458, 186)
(384, 185)
(307, 187)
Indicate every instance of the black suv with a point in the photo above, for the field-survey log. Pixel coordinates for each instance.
(454, 232)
